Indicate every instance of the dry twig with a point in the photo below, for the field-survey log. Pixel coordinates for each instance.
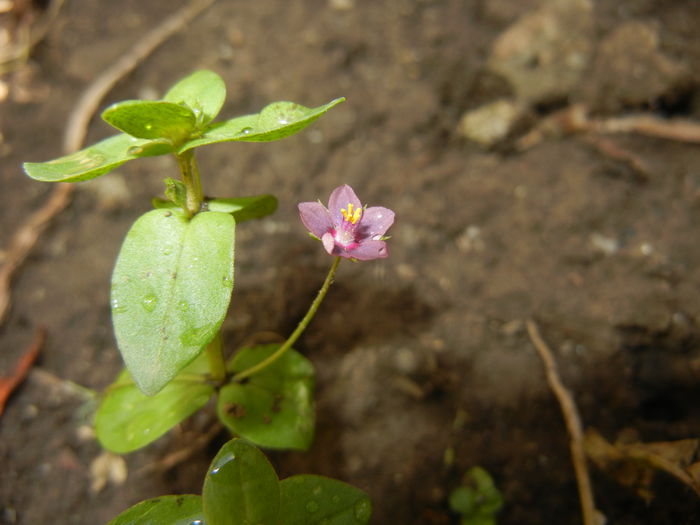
(27, 235)
(591, 516)
(181, 455)
(9, 384)
(575, 119)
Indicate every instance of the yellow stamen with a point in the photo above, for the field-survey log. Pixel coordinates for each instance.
(351, 214)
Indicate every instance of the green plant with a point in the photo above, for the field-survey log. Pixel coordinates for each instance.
(174, 276)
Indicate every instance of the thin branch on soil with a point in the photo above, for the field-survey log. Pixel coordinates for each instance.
(16, 54)
(181, 455)
(9, 384)
(575, 119)
(614, 151)
(591, 516)
(26, 236)
(46, 378)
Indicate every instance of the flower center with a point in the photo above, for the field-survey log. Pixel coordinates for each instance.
(351, 214)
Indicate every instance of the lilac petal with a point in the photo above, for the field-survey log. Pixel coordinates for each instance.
(339, 199)
(376, 221)
(315, 217)
(370, 249)
(328, 242)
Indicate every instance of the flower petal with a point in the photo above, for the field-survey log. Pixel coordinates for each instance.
(376, 221)
(315, 217)
(328, 242)
(339, 199)
(369, 249)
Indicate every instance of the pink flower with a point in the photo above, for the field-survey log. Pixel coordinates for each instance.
(346, 228)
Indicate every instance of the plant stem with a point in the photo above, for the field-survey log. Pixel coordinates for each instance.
(297, 332)
(190, 177)
(217, 365)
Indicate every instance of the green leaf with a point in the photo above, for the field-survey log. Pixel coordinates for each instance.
(203, 92)
(245, 208)
(274, 122)
(92, 161)
(164, 510)
(171, 288)
(316, 500)
(146, 119)
(242, 208)
(127, 419)
(241, 487)
(274, 408)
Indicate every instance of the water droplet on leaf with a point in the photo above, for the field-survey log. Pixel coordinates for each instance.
(246, 131)
(117, 307)
(134, 150)
(198, 336)
(362, 510)
(222, 462)
(149, 302)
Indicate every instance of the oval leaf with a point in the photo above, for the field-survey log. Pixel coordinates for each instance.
(245, 208)
(242, 208)
(90, 162)
(146, 119)
(171, 288)
(164, 510)
(311, 500)
(241, 487)
(203, 92)
(127, 419)
(274, 408)
(274, 122)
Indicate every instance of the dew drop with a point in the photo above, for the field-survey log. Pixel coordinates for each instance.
(222, 462)
(312, 506)
(134, 150)
(149, 126)
(149, 302)
(183, 306)
(246, 131)
(198, 336)
(197, 522)
(167, 251)
(117, 307)
(228, 282)
(362, 510)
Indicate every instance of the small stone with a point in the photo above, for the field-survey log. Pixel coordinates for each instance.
(490, 123)
(341, 5)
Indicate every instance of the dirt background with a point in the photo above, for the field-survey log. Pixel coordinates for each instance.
(426, 351)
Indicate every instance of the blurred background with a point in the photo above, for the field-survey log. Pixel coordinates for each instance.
(542, 159)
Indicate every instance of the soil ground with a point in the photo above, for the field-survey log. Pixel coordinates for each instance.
(421, 357)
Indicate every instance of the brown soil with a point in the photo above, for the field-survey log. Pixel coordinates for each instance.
(422, 352)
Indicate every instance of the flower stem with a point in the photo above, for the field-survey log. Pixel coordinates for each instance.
(217, 365)
(297, 332)
(190, 177)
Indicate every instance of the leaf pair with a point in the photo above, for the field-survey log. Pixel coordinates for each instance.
(273, 409)
(241, 488)
(178, 123)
